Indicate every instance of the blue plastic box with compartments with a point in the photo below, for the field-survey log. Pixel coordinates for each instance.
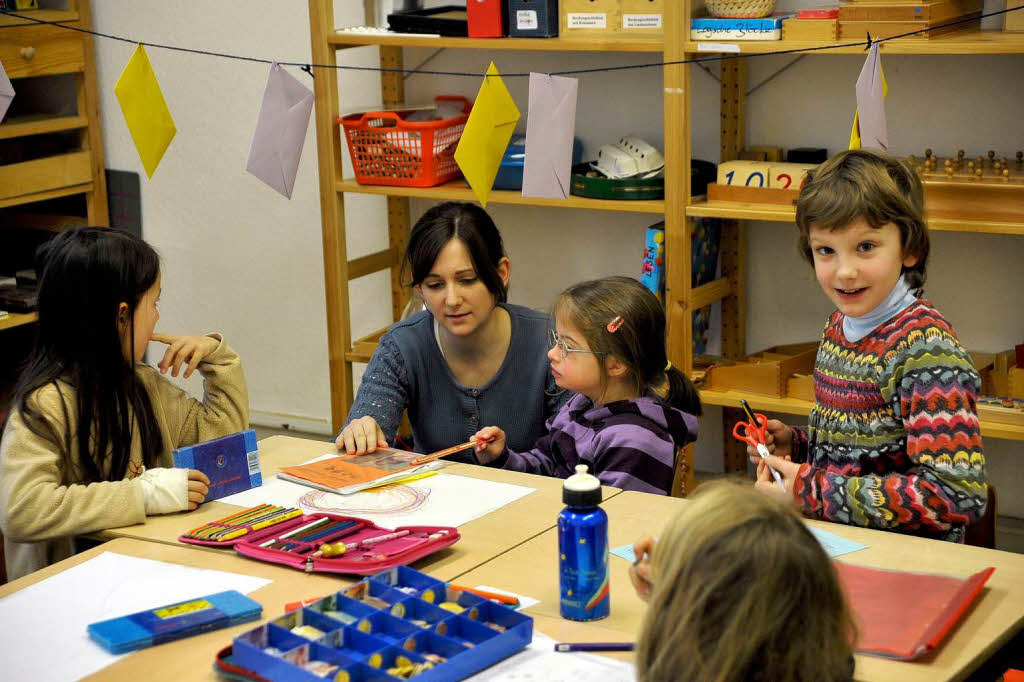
(387, 621)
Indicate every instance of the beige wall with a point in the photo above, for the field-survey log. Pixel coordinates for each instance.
(243, 260)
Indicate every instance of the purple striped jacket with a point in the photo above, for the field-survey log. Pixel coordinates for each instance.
(629, 444)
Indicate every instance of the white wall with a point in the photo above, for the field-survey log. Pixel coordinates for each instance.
(241, 259)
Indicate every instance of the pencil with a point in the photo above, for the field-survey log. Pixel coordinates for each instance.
(595, 646)
(444, 453)
(509, 599)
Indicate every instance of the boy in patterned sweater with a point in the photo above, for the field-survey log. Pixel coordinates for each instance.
(893, 441)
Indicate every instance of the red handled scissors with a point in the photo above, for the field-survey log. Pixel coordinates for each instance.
(755, 432)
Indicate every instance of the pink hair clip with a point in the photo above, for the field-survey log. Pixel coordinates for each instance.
(614, 325)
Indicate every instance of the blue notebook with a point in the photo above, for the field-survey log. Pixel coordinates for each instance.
(174, 621)
(232, 463)
(711, 28)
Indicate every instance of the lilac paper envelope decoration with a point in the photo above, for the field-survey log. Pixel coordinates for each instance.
(6, 92)
(280, 131)
(871, 103)
(550, 123)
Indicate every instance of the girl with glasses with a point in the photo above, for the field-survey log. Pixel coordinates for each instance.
(632, 411)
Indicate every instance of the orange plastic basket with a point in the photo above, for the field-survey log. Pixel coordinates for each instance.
(388, 150)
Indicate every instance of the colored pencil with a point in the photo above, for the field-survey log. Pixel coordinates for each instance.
(450, 451)
(226, 519)
(595, 646)
(260, 525)
(509, 599)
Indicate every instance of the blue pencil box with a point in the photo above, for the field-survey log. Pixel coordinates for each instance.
(174, 621)
(510, 172)
(232, 463)
(395, 621)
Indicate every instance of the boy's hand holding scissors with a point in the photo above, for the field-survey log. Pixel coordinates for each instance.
(778, 438)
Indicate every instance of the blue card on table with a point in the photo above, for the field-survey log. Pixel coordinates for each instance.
(174, 621)
(232, 463)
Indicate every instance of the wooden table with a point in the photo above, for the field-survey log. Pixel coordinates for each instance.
(998, 614)
(192, 658)
(482, 539)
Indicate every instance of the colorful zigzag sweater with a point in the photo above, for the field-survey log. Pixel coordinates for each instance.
(893, 441)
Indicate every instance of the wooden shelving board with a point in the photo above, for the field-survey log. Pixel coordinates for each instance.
(458, 190)
(35, 125)
(736, 210)
(961, 42)
(618, 43)
(795, 406)
(12, 320)
(61, 15)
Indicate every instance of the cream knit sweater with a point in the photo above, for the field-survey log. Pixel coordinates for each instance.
(43, 505)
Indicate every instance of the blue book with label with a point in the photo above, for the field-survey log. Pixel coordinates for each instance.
(174, 621)
(232, 463)
(710, 28)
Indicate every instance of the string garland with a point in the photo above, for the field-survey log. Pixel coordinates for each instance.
(308, 67)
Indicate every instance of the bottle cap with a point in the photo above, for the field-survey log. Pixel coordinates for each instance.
(581, 489)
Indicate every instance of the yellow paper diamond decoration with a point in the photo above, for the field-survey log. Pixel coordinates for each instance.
(486, 135)
(145, 111)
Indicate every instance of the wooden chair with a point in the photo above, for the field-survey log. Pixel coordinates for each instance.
(682, 478)
(982, 533)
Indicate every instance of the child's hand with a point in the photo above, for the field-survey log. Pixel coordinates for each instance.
(361, 436)
(640, 572)
(767, 484)
(198, 488)
(778, 440)
(491, 445)
(182, 349)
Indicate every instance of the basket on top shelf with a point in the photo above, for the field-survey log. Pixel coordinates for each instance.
(740, 9)
(388, 149)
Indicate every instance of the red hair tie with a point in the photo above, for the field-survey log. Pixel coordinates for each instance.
(614, 325)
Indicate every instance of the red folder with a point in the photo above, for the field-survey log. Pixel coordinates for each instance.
(903, 615)
(486, 18)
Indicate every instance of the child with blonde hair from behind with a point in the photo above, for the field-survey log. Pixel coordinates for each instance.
(741, 591)
(632, 410)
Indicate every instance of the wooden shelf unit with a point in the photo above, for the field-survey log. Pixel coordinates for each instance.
(733, 102)
(343, 350)
(31, 50)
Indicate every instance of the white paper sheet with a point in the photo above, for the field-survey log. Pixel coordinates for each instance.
(539, 662)
(438, 500)
(44, 625)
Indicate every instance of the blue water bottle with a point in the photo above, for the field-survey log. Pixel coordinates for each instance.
(583, 549)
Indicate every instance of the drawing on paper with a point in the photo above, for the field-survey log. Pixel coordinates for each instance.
(392, 500)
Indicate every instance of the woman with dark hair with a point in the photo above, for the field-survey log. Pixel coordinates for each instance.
(469, 359)
(87, 444)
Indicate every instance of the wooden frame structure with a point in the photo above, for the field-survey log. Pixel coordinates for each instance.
(735, 214)
(32, 50)
(678, 208)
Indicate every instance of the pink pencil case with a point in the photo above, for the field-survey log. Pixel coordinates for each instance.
(369, 547)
